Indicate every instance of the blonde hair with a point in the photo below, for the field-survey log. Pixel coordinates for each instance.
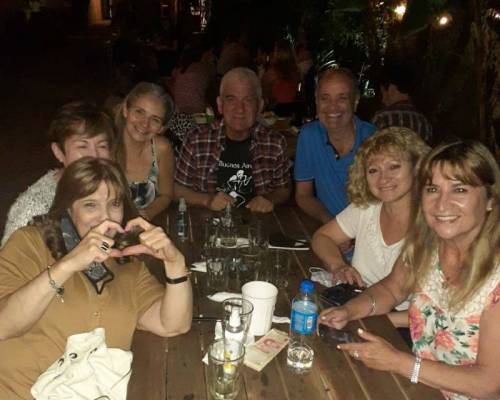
(472, 164)
(389, 140)
(139, 90)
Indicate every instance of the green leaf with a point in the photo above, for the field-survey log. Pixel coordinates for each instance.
(416, 18)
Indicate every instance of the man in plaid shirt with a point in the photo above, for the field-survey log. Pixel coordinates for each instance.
(238, 160)
(396, 82)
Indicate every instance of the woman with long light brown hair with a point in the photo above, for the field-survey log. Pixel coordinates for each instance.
(146, 157)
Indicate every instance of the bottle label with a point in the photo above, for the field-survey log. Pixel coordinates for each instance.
(181, 228)
(303, 323)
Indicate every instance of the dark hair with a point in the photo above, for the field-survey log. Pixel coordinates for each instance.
(398, 75)
(191, 53)
(79, 118)
(80, 179)
(284, 61)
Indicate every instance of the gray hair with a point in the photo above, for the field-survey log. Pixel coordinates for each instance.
(242, 74)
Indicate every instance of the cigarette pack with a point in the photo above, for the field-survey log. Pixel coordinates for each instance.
(265, 349)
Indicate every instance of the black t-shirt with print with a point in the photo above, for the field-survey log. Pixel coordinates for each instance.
(234, 173)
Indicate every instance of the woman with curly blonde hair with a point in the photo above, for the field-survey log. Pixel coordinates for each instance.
(450, 268)
(380, 190)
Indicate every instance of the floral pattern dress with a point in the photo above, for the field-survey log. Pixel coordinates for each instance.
(439, 334)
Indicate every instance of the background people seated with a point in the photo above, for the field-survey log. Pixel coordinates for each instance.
(146, 157)
(234, 53)
(326, 148)
(450, 265)
(78, 129)
(280, 81)
(396, 84)
(192, 79)
(68, 255)
(380, 189)
(237, 160)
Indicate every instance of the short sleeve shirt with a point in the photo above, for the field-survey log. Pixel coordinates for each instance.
(373, 258)
(117, 309)
(234, 174)
(315, 161)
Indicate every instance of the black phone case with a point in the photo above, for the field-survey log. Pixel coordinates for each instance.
(340, 294)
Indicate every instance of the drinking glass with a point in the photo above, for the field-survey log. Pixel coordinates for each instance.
(217, 276)
(228, 233)
(279, 265)
(237, 317)
(258, 237)
(251, 261)
(232, 264)
(225, 358)
(210, 234)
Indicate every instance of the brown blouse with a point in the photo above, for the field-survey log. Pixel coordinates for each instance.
(117, 309)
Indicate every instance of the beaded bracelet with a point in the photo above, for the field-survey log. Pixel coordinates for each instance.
(416, 370)
(58, 289)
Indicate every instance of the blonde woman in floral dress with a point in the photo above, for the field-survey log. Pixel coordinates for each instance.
(451, 267)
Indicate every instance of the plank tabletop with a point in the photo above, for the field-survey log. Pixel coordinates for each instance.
(173, 368)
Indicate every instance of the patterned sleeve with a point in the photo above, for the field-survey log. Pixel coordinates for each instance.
(185, 166)
(379, 121)
(26, 206)
(281, 174)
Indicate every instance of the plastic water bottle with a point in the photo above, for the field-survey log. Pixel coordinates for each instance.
(181, 220)
(302, 328)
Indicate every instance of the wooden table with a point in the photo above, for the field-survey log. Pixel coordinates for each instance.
(334, 375)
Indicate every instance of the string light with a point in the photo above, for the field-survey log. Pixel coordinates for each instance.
(443, 20)
(400, 11)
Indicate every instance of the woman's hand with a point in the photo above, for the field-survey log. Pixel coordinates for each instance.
(94, 247)
(347, 274)
(336, 317)
(375, 353)
(154, 242)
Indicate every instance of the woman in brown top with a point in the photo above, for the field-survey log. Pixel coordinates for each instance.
(60, 277)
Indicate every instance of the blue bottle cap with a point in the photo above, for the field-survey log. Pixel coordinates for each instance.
(307, 286)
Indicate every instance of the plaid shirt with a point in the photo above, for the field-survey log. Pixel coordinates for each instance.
(404, 113)
(199, 157)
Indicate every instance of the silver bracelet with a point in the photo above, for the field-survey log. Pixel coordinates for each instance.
(416, 370)
(373, 305)
(58, 289)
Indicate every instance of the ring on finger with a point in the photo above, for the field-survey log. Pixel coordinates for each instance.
(355, 354)
(104, 246)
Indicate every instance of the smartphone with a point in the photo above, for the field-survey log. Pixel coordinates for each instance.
(337, 336)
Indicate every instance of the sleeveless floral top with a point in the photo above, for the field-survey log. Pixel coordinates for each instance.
(440, 335)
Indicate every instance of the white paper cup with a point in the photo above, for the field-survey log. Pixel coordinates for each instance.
(263, 297)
